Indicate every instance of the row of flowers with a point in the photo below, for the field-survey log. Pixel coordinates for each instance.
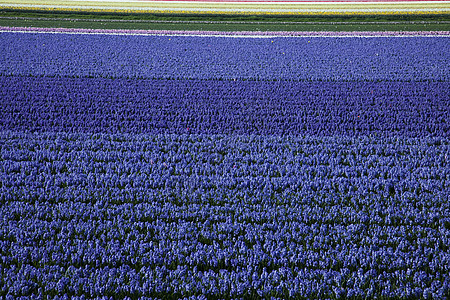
(299, 58)
(340, 10)
(223, 215)
(214, 106)
(225, 33)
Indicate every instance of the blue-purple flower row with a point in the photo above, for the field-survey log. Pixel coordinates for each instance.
(224, 215)
(308, 58)
(224, 107)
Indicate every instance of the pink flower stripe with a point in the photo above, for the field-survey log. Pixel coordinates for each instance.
(227, 33)
(296, 1)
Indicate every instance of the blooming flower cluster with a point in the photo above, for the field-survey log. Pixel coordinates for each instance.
(244, 216)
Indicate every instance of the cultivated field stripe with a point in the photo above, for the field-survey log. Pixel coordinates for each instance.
(225, 22)
(242, 9)
(265, 34)
(191, 7)
(273, 1)
(248, 5)
(234, 11)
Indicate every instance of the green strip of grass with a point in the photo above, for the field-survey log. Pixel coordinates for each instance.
(212, 17)
(224, 26)
(224, 23)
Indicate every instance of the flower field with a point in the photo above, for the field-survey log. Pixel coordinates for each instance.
(237, 7)
(146, 164)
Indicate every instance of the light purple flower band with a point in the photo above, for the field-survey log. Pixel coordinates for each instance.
(227, 33)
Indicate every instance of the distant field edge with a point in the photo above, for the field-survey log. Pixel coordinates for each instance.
(336, 8)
